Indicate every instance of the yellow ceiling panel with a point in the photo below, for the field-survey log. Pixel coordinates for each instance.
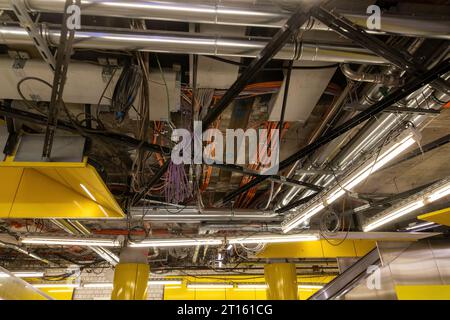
(10, 179)
(440, 217)
(58, 192)
(318, 249)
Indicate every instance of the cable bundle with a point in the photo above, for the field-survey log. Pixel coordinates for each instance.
(126, 90)
(177, 188)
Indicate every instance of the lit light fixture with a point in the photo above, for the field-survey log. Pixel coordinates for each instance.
(23, 274)
(164, 282)
(348, 183)
(86, 242)
(434, 192)
(209, 286)
(99, 285)
(155, 243)
(252, 286)
(422, 226)
(310, 286)
(28, 274)
(273, 239)
(109, 285)
(56, 285)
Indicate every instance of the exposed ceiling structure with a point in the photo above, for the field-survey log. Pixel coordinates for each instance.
(88, 118)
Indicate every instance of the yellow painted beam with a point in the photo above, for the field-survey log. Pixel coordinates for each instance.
(318, 249)
(130, 281)
(440, 217)
(423, 292)
(59, 192)
(281, 279)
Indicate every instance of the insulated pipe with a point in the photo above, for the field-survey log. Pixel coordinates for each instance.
(131, 275)
(281, 279)
(187, 43)
(224, 12)
(379, 78)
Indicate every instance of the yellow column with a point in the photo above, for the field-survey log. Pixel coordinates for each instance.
(131, 276)
(281, 279)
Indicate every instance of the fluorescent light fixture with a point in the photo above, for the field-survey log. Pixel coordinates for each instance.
(23, 274)
(155, 243)
(61, 291)
(252, 286)
(310, 286)
(109, 285)
(393, 215)
(56, 285)
(273, 239)
(99, 285)
(355, 178)
(86, 242)
(439, 193)
(429, 195)
(264, 286)
(420, 226)
(28, 274)
(210, 286)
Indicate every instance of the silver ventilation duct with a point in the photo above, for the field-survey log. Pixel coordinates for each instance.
(226, 12)
(187, 43)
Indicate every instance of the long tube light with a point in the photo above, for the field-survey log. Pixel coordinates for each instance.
(210, 286)
(158, 243)
(86, 242)
(429, 195)
(355, 178)
(263, 286)
(421, 226)
(24, 274)
(273, 239)
(56, 285)
(109, 285)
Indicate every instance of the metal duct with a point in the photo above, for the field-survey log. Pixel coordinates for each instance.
(223, 12)
(379, 78)
(187, 43)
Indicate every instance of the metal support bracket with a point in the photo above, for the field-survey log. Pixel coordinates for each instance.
(21, 11)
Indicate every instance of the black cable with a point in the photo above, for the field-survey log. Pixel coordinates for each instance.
(126, 90)
(243, 65)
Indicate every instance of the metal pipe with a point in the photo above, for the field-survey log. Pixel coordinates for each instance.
(223, 12)
(194, 215)
(24, 251)
(371, 95)
(391, 99)
(188, 43)
(379, 78)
